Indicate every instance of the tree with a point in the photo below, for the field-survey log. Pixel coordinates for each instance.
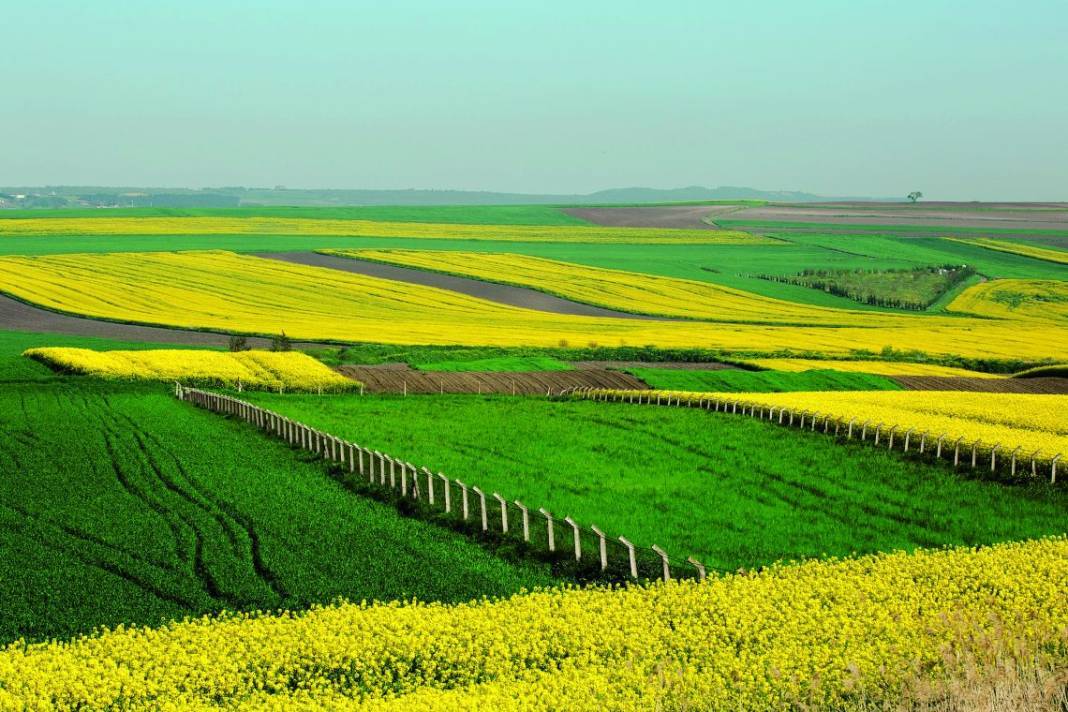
(915, 195)
(238, 343)
(281, 343)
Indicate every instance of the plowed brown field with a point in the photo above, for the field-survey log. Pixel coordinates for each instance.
(393, 379)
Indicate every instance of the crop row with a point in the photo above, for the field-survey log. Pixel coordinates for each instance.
(289, 370)
(226, 292)
(260, 225)
(979, 425)
(851, 634)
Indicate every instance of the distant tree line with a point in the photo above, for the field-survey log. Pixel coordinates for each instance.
(833, 282)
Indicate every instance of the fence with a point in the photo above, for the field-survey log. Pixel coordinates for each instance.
(587, 550)
(973, 453)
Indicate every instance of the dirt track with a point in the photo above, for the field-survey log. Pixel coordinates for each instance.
(681, 216)
(984, 385)
(951, 215)
(500, 293)
(19, 316)
(393, 378)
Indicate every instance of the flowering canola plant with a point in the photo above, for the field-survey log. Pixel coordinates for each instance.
(289, 370)
(828, 634)
(223, 291)
(1032, 422)
(258, 225)
(1040, 300)
(879, 368)
(634, 292)
(1039, 252)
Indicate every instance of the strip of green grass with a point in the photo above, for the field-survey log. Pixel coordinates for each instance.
(730, 490)
(887, 229)
(121, 505)
(761, 381)
(503, 364)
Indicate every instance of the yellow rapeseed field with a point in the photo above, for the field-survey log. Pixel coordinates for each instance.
(370, 228)
(880, 368)
(1038, 300)
(1030, 421)
(226, 292)
(634, 292)
(824, 634)
(292, 370)
(1039, 252)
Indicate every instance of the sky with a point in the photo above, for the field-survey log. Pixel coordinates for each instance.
(961, 100)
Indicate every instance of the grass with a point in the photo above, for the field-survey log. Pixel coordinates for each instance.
(726, 381)
(504, 364)
(120, 505)
(696, 483)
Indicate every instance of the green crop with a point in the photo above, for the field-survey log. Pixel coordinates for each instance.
(730, 491)
(735, 381)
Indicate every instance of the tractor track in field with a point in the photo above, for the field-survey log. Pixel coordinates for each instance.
(229, 518)
(57, 544)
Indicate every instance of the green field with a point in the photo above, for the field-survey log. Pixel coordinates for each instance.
(696, 483)
(121, 505)
(730, 381)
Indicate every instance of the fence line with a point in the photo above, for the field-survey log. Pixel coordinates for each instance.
(930, 443)
(488, 512)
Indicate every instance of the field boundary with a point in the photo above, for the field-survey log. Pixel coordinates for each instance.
(931, 444)
(587, 548)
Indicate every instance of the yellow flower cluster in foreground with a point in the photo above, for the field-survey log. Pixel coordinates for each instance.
(1039, 252)
(1030, 421)
(1039, 300)
(258, 225)
(240, 293)
(826, 633)
(634, 292)
(880, 368)
(290, 370)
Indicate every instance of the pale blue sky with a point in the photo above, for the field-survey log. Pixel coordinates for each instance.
(963, 100)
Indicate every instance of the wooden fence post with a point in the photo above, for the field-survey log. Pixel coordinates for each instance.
(1014, 454)
(526, 520)
(549, 527)
(1053, 469)
(429, 485)
(577, 536)
(602, 547)
(630, 557)
(697, 565)
(448, 492)
(504, 512)
(993, 456)
(663, 560)
(482, 507)
(463, 498)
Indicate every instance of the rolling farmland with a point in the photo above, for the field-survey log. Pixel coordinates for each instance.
(153, 510)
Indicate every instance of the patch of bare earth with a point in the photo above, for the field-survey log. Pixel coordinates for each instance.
(392, 378)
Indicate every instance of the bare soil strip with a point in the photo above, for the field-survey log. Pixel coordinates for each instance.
(500, 293)
(984, 216)
(690, 217)
(394, 379)
(983, 385)
(20, 316)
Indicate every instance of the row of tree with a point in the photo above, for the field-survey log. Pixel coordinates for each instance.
(831, 281)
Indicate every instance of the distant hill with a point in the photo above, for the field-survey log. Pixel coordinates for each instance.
(131, 197)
